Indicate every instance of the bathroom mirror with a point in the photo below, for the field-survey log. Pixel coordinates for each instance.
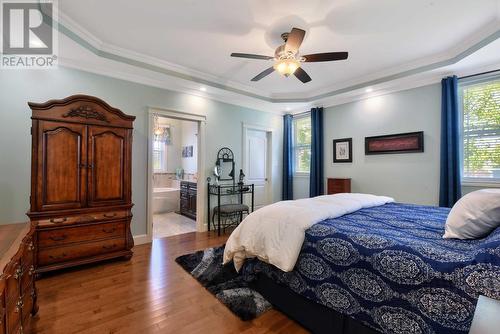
(225, 164)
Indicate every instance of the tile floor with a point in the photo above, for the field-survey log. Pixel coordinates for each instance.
(169, 224)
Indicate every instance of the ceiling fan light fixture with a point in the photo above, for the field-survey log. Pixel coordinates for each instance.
(286, 67)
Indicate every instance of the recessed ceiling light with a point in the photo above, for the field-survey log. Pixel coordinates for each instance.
(287, 108)
(369, 90)
(203, 89)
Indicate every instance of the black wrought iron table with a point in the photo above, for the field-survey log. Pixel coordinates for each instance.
(233, 212)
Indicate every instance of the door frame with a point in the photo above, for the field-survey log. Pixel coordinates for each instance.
(269, 167)
(201, 220)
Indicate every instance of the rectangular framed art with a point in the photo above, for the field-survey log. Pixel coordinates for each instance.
(411, 142)
(342, 150)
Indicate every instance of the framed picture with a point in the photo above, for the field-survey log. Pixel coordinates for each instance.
(342, 150)
(411, 142)
(187, 151)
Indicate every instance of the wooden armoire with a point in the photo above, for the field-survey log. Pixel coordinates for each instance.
(81, 198)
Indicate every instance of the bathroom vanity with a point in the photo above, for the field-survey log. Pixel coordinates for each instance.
(188, 199)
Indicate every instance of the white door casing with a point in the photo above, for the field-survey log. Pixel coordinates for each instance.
(201, 213)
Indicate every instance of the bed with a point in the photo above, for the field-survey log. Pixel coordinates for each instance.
(388, 268)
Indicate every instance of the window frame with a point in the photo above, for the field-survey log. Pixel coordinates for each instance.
(162, 157)
(296, 147)
(472, 181)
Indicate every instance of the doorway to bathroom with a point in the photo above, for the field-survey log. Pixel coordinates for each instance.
(174, 165)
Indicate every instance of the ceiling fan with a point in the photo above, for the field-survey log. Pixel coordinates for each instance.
(287, 59)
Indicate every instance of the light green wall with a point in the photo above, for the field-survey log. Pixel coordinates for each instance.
(410, 177)
(224, 128)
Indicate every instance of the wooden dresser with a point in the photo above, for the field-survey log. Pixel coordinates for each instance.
(17, 284)
(335, 186)
(81, 196)
(188, 199)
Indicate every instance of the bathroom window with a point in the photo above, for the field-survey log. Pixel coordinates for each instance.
(159, 156)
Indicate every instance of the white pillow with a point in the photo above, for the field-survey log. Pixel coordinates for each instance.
(474, 216)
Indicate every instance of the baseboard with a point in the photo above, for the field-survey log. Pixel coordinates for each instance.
(141, 239)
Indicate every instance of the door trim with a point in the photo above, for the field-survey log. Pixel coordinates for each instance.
(201, 220)
(269, 132)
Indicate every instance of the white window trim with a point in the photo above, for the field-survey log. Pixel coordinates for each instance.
(488, 183)
(164, 164)
(299, 174)
(468, 181)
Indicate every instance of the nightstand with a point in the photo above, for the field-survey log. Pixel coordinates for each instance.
(336, 185)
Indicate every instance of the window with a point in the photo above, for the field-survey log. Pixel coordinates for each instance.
(159, 156)
(480, 130)
(302, 144)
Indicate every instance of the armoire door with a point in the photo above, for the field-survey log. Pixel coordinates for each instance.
(61, 177)
(108, 173)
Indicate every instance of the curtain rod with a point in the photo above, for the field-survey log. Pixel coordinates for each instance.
(302, 113)
(478, 74)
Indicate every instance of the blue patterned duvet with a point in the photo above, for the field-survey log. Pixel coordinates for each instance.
(389, 268)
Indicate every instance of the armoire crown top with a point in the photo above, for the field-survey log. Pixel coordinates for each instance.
(81, 109)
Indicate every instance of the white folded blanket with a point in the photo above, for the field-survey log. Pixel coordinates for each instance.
(275, 233)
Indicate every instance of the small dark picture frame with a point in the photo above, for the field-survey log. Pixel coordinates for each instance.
(411, 142)
(342, 150)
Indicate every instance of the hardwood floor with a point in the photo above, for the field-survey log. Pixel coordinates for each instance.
(148, 294)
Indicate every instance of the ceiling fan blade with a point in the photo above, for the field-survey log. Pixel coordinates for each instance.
(263, 74)
(294, 40)
(250, 56)
(327, 56)
(302, 75)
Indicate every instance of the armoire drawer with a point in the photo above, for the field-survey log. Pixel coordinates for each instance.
(63, 236)
(48, 256)
(83, 218)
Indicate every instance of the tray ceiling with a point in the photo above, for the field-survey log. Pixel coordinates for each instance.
(384, 37)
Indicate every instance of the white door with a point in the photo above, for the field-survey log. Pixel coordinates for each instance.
(257, 164)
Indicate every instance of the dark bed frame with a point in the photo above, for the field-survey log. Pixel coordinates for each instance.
(315, 317)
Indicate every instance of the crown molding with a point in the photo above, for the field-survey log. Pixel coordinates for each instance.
(142, 78)
(85, 39)
(390, 87)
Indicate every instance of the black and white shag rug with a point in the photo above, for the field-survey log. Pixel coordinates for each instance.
(224, 282)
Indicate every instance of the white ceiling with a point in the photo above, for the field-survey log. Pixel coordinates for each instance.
(196, 37)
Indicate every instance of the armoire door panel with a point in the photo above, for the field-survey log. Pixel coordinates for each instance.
(62, 158)
(107, 170)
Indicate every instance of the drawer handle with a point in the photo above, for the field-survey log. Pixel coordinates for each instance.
(58, 221)
(109, 247)
(18, 273)
(32, 270)
(109, 230)
(110, 215)
(58, 238)
(58, 257)
(31, 246)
